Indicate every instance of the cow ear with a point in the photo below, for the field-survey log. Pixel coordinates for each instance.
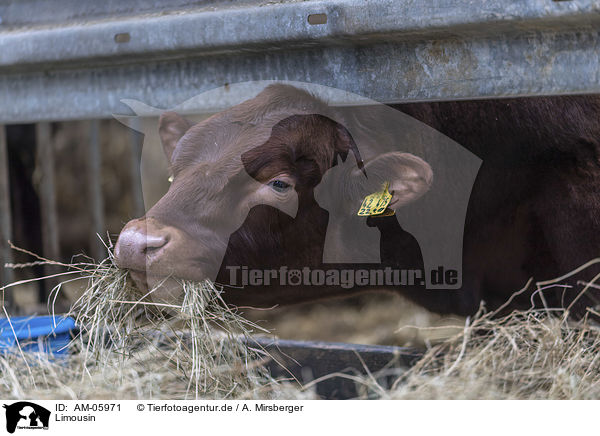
(171, 127)
(409, 176)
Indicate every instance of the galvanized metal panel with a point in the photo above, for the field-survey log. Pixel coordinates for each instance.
(283, 25)
(16, 14)
(536, 64)
(389, 51)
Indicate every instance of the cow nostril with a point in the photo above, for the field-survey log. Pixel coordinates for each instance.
(137, 243)
(154, 243)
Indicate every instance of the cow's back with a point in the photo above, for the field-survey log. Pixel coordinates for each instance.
(535, 207)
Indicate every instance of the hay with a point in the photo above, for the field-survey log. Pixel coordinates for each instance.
(533, 354)
(129, 349)
(133, 349)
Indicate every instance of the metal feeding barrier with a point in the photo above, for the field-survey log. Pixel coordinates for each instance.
(73, 60)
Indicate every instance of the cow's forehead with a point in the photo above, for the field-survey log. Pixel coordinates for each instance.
(224, 137)
(227, 136)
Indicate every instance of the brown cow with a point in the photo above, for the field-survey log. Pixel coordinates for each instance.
(248, 195)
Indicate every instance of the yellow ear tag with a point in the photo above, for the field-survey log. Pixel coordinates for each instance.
(170, 179)
(376, 204)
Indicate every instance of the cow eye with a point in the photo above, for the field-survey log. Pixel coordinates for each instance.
(279, 185)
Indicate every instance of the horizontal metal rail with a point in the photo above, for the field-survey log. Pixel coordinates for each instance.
(281, 26)
(387, 50)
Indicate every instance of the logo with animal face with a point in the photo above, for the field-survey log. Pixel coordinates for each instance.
(26, 415)
(277, 181)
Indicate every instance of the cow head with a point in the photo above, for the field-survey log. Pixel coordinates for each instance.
(243, 193)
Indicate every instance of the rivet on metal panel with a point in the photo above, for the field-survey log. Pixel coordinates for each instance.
(317, 19)
(122, 37)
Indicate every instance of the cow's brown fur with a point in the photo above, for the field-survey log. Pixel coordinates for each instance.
(533, 211)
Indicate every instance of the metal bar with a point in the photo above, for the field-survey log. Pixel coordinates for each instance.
(50, 236)
(510, 65)
(6, 274)
(96, 203)
(282, 25)
(135, 174)
(384, 50)
(308, 360)
(77, 11)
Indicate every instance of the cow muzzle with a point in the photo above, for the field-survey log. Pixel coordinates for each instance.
(160, 256)
(141, 243)
(145, 247)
